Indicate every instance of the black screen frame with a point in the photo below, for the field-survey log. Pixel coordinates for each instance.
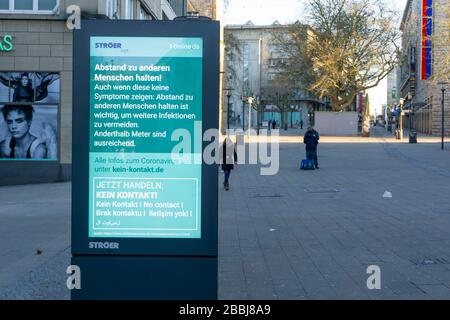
(209, 31)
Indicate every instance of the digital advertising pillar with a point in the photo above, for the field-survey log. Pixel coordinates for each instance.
(144, 203)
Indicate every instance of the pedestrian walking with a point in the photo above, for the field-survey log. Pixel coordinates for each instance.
(311, 140)
(274, 124)
(301, 124)
(270, 124)
(229, 159)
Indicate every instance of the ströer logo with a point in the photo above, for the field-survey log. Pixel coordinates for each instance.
(103, 245)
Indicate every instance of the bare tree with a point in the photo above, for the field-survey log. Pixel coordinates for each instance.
(232, 50)
(232, 64)
(351, 46)
(441, 41)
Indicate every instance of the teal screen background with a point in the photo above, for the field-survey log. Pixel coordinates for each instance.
(137, 188)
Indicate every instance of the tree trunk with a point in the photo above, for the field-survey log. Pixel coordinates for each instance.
(292, 114)
(258, 115)
(366, 126)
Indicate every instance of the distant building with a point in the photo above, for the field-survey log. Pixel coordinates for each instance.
(421, 20)
(214, 9)
(252, 67)
(41, 51)
(393, 91)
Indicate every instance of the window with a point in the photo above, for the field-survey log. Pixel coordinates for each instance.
(111, 8)
(230, 56)
(29, 6)
(128, 9)
(273, 48)
(144, 15)
(271, 76)
(246, 64)
(4, 5)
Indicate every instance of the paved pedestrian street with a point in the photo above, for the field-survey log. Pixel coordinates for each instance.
(295, 235)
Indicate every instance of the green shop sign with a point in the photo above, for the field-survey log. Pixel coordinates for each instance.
(6, 43)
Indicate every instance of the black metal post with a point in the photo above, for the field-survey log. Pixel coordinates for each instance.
(243, 114)
(228, 111)
(278, 106)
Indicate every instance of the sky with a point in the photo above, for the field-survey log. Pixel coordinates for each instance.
(265, 12)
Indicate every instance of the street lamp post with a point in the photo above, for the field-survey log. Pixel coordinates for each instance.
(402, 101)
(258, 114)
(400, 122)
(278, 102)
(443, 130)
(250, 101)
(443, 84)
(243, 113)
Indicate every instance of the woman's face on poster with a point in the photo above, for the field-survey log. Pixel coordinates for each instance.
(17, 124)
(24, 81)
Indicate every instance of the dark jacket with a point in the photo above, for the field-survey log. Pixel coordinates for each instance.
(311, 140)
(228, 157)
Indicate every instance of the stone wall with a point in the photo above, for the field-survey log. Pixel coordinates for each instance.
(204, 7)
(42, 45)
(336, 123)
(437, 110)
(429, 90)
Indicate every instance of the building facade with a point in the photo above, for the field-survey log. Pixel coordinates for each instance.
(425, 28)
(36, 67)
(252, 68)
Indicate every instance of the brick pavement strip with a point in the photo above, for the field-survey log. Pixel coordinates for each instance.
(329, 239)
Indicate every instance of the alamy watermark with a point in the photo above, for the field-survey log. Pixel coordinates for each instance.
(74, 19)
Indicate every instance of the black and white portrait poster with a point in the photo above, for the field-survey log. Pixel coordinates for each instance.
(30, 87)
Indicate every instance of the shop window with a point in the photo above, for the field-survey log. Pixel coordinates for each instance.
(46, 4)
(23, 4)
(4, 5)
(29, 6)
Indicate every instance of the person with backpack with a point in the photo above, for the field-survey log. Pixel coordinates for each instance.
(229, 159)
(311, 140)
